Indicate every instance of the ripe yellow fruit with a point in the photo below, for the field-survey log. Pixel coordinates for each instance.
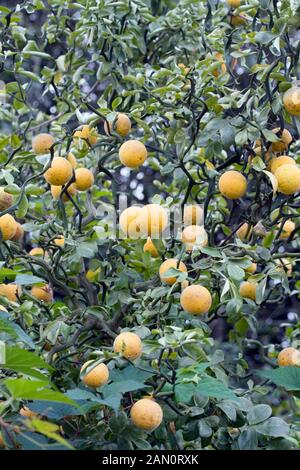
(19, 233)
(291, 100)
(287, 228)
(244, 231)
(10, 291)
(43, 293)
(234, 3)
(84, 179)
(276, 163)
(27, 413)
(248, 290)
(196, 299)
(288, 177)
(60, 241)
(237, 20)
(289, 357)
(132, 153)
(153, 220)
(6, 200)
(8, 227)
(168, 264)
(232, 184)
(72, 159)
(284, 142)
(87, 133)
(98, 376)
(122, 125)
(129, 345)
(56, 192)
(285, 265)
(146, 414)
(129, 222)
(60, 172)
(252, 268)
(149, 247)
(194, 236)
(220, 58)
(192, 215)
(38, 251)
(42, 143)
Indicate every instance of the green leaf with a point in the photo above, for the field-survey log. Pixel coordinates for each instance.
(27, 279)
(287, 377)
(259, 413)
(273, 427)
(235, 272)
(51, 430)
(26, 389)
(25, 362)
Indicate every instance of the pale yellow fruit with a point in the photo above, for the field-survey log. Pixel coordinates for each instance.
(289, 357)
(196, 299)
(129, 222)
(291, 100)
(42, 143)
(149, 247)
(10, 291)
(275, 163)
(129, 345)
(288, 177)
(184, 284)
(98, 376)
(6, 200)
(56, 192)
(192, 215)
(146, 414)
(121, 125)
(43, 293)
(232, 184)
(72, 159)
(153, 219)
(234, 3)
(184, 68)
(84, 179)
(19, 233)
(168, 264)
(237, 20)
(252, 268)
(27, 413)
(194, 236)
(284, 142)
(38, 251)
(288, 227)
(60, 172)
(60, 241)
(132, 153)
(248, 290)
(86, 133)
(8, 227)
(244, 231)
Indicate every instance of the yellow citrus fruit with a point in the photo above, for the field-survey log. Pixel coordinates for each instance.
(248, 290)
(10, 291)
(86, 133)
(234, 3)
(196, 299)
(27, 413)
(149, 247)
(244, 231)
(237, 20)
(60, 241)
(146, 414)
(60, 172)
(291, 100)
(168, 264)
(98, 376)
(287, 228)
(84, 179)
(184, 68)
(43, 293)
(233, 184)
(42, 143)
(288, 177)
(121, 125)
(129, 222)
(284, 142)
(289, 357)
(194, 236)
(8, 227)
(72, 159)
(132, 153)
(277, 162)
(38, 251)
(192, 215)
(19, 233)
(6, 200)
(220, 58)
(56, 192)
(153, 220)
(252, 268)
(129, 345)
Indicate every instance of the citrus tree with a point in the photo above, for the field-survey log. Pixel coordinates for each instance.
(149, 224)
